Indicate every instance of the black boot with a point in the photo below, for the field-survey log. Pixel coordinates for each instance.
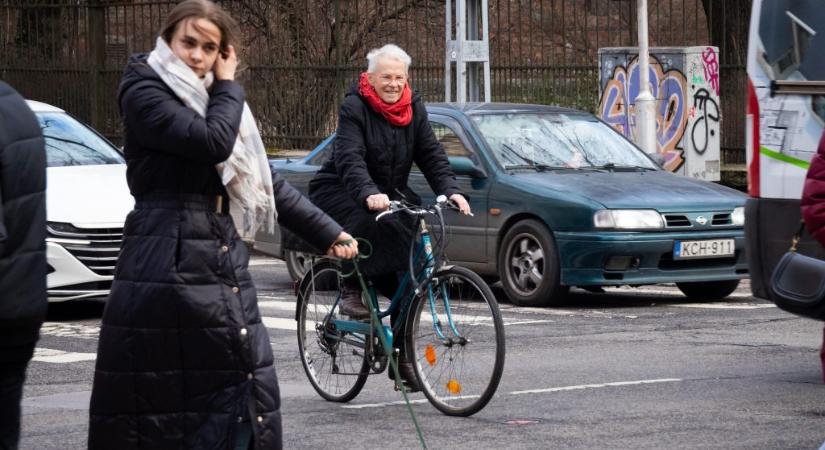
(352, 303)
(407, 372)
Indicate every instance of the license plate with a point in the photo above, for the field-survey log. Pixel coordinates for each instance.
(710, 248)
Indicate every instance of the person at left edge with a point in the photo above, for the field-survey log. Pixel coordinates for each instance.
(22, 252)
(184, 360)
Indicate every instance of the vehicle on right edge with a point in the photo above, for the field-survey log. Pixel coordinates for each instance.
(784, 123)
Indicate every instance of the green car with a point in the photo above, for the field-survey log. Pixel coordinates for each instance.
(561, 199)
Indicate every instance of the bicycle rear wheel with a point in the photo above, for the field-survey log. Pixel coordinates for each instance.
(458, 376)
(335, 362)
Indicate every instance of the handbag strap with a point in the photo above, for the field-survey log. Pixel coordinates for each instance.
(797, 236)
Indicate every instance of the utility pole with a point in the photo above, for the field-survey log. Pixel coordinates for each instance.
(468, 51)
(645, 102)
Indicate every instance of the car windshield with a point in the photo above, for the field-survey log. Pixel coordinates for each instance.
(558, 141)
(70, 143)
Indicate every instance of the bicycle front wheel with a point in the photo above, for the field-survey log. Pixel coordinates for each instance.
(335, 362)
(459, 371)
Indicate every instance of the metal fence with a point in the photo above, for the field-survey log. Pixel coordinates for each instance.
(301, 56)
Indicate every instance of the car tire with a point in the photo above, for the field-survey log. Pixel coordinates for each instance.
(528, 266)
(708, 290)
(297, 263)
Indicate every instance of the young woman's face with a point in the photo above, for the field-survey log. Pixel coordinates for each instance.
(389, 79)
(197, 43)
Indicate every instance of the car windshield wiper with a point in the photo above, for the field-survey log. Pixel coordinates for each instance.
(622, 168)
(538, 167)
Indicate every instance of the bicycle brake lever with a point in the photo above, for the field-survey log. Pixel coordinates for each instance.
(382, 214)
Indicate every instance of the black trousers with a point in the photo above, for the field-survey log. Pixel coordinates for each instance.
(12, 376)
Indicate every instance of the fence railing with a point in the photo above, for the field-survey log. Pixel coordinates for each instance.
(300, 57)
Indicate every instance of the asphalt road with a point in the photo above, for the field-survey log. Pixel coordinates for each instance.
(629, 368)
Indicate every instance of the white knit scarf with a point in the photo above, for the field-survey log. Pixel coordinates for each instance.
(246, 173)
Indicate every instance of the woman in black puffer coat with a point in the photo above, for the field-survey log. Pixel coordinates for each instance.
(184, 360)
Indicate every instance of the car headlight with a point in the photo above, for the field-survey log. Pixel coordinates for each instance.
(738, 216)
(628, 219)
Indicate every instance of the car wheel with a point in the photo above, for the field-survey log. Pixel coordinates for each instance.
(528, 266)
(708, 290)
(297, 263)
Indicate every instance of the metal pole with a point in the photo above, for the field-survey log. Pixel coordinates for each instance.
(448, 85)
(485, 26)
(460, 37)
(472, 35)
(645, 102)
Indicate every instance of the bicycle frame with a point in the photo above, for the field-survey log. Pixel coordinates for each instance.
(399, 301)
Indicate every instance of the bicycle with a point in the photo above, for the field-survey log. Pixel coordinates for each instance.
(453, 327)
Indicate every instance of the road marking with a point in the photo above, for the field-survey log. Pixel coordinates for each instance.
(265, 262)
(724, 305)
(282, 324)
(531, 391)
(74, 330)
(527, 322)
(60, 357)
(668, 292)
(594, 386)
(379, 405)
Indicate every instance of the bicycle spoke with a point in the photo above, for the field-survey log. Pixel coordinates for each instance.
(459, 377)
(332, 360)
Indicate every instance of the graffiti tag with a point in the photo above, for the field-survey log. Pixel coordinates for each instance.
(711, 69)
(616, 106)
(706, 126)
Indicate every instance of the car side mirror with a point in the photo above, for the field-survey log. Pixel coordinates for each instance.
(463, 165)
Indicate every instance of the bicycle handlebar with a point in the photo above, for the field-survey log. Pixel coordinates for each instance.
(441, 202)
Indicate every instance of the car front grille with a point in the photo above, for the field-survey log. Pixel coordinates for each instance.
(688, 220)
(96, 248)
(676, 220)
(721, 219)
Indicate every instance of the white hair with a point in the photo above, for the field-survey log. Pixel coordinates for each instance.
(390, 51)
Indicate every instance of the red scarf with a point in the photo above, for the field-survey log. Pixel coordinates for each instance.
(398, 113)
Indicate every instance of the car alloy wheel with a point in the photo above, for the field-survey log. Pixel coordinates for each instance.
(529, 265)
(297, 263)
(526, 264)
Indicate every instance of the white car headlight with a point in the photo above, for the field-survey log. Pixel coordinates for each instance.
(738, 216)
(628, 219)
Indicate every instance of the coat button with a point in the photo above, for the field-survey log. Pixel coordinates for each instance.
(243, 331)
(249, 376)
(240, 419)
(235, 289)
(224, 248)
(260, 419)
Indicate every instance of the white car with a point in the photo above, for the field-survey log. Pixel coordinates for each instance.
(87, 200)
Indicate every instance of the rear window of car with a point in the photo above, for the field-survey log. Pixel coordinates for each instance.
(71, 143)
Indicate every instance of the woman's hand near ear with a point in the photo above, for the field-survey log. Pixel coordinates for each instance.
(226, 64)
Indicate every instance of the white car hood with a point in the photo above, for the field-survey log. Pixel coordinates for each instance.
(88, 196)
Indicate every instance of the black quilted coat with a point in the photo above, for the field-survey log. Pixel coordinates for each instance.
(183, 355)
(22, 227)
(372, 156)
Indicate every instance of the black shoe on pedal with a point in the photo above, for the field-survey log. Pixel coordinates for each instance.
(351, 303)
(407, 372)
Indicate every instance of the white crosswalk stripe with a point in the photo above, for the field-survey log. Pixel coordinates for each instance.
(278, 313)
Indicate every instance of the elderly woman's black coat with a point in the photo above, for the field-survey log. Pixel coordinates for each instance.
(183, 355)
(371, 156)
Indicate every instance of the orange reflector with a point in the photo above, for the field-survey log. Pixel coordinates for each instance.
(429, 353)
(454, 387)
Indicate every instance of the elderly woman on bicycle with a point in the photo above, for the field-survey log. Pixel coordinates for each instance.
(382, 130)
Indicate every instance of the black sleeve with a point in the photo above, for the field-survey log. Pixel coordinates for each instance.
(3, 232)
(302, 217)
(430, 156)
(158, 120)
(349, 151)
